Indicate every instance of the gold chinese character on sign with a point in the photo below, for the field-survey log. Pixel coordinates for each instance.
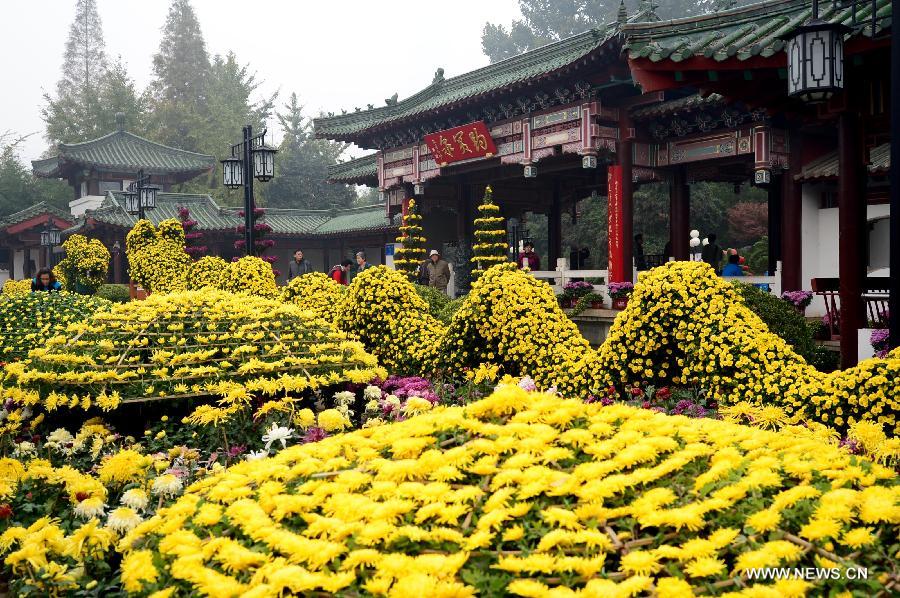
(446, 147)
(462, 145)
(478, 140)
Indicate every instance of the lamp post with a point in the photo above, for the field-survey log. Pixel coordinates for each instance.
(250, 158)
(49, 239)
(140, 196)
(894, 290)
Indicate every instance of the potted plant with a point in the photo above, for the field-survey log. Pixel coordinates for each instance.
(799, 299)
(591, 300)
(619, 292)
(573, 291)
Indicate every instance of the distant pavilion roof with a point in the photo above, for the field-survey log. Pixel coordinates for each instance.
(214, 218)
(124, 152)
(826, 167)
(743, 32)
(39, 209)
(446, 94)
(358, 171)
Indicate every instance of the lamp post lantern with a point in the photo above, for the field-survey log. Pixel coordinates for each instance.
(815, 52)
(140, 196)
(50, 238)
(251, 158)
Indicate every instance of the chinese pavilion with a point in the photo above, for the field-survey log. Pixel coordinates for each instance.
(642, 100)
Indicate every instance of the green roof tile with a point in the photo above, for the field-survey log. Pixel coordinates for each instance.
(826, 167)
(442, 93)
(121, 151)
(30, 212)
(686, 104)
(742, 32)
(211, 217)
(359, 171)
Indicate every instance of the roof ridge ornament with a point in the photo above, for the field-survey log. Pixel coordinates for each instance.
(120, 121)
(622, 15)
(723, 5)
(438, 77)
(646, 12)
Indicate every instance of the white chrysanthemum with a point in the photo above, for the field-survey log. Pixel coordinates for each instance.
(123, 520)
(256, 455)
(393, 400)
(166, 485)
(90, 507)
(136, 498)
(277, 434)
(372, 405)
(372, 393)
(345, 397)
(24, 448)
(60, 436)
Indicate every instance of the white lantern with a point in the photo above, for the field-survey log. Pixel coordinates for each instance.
(232, 172)
(816, 60)
(148, 197)
(131, 202)
(263, 162)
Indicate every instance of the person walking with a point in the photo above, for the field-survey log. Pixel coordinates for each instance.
(712, 253)
(640, 260)
(45, 281)
(298, 266)
(361, 263)
(438, 271)
(529, 258)
(340, 272)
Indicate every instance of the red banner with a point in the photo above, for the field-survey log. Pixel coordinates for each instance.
(461, 143)
(614, 193)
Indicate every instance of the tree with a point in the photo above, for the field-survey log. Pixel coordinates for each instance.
(70, 115)
(181, 70)
(18, 187)
(117, 93)
(302, 166)
(747, 222)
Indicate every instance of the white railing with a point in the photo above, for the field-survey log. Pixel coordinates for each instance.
(559, 277)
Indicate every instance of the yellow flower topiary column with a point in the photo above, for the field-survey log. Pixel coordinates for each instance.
(412, 254)
(490, 236)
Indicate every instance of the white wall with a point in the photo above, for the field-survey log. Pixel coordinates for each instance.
(821, 244)
(82, 204)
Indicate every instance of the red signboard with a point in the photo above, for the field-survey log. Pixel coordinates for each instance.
(614, 190)
(461, 143)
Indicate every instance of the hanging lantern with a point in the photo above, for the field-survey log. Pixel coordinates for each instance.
(50, 235)
(232, 172)
(148, 197)
(263, 162)
(816, 60)
(131, 202)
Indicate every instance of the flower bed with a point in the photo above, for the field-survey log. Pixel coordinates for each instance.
(523, 494)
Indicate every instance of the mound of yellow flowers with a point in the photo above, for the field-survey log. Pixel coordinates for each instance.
(28, 320)
(318, 293)
(512, 319)
(85, 266)
(253, 275)
(156, 257)
(684, 325)
(194, 344)
(208, 271)
(16, 287)
(384, 311)
(527, 494)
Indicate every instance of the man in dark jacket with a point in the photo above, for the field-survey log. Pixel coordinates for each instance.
(712, 253)
(298, 266)
(438, 271)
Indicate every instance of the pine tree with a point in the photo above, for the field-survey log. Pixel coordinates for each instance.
(302, 164)
(181, 79)
(193, 239)
(70, 116)
(490, 236)
(409, 257)
(117, 93)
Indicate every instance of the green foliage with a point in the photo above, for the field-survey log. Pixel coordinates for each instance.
(446, 313)
(435, 299)
(758, 256)
(18, 187)
(116, 293)
(302, 164)
(785, 321)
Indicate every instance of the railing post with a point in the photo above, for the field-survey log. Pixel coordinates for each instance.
(562, 266)
(777, 286)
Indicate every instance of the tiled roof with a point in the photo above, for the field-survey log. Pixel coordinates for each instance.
(358, 171)
(30, 212)
(122, 151)
(692, 102)
(744, 32)
(443, 93)
(211, 217)
(826, 167)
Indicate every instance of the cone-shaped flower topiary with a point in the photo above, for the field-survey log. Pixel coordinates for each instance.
(490, 236)
(412, 254)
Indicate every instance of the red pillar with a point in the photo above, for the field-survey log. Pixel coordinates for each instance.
(851, 227)
(625, 159)
(679, 215)
(792, 222)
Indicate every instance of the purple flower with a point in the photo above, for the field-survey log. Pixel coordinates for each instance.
(527, 383)
(798, 298)
(620, 290)
(606, 401)
(851, 445)
(236, 451)
(315, 434)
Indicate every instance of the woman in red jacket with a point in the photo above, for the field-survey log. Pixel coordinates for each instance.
(340, 272)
